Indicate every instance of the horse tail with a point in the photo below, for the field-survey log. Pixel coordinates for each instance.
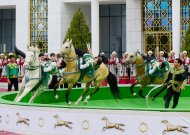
(112, 81)
(132, 89)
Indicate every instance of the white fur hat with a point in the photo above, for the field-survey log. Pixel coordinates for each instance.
(11, 54)
(184, 52)
(161, 52)
(150, 52)
(114, 52)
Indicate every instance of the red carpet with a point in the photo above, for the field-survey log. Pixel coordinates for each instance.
(8, 133)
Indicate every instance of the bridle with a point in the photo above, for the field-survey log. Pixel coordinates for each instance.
(69, 59)
(34, 58)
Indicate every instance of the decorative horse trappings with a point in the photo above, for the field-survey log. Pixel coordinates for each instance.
(72, 74)
(143, 78)
(32, 80)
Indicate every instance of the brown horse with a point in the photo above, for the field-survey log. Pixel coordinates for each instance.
(72, 74)
(143, 78)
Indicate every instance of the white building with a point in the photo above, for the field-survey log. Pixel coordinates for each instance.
(120, 25)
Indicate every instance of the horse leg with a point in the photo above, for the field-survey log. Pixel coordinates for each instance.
(132, 89)
(21, 89)
(158, 93)
(37, 93)
(60, 82)
(70, 86)
(141, 93)
(28, 88)
(83, 94)
(93, 92)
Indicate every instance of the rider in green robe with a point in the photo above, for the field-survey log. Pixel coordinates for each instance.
(49, 68)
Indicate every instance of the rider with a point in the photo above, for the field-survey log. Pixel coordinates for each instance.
(49, 68)
(89, 63)
(158, 68)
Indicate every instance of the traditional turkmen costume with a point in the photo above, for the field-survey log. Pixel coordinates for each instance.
(49, 68)
(87, 66)
(176, 78)
(156, 71)
(12, 75)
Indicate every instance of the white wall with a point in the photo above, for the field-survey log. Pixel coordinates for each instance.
(22, 20)
(134, 33)
(59, 18)
(22, 24)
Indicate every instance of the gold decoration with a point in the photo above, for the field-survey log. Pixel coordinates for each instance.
(170, 127)
(7, 119)
(85, 125)
(143, 127)
(62, 122)
(41, 122)
(112, 125)
(22, 120)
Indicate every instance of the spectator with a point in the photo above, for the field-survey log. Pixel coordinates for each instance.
(161, 56)
(171, 57)
(4, 63)
(1, 60)
(185, 60)
(113, 62)
(12, 73)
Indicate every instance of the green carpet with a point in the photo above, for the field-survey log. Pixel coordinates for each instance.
(103, 100)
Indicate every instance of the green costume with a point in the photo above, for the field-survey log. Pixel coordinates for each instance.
(12, 70)
(89, 71)
(49, 68)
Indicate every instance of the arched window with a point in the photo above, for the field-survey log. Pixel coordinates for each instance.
(39, 23)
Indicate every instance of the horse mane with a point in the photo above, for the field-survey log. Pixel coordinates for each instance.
(34, 49)
(79, 52)
(19, 52)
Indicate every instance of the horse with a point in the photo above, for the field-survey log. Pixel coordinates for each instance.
(170, 127)
(61, 122)
(112, 125)
(72, 74)
(32, 79)
(143, 78)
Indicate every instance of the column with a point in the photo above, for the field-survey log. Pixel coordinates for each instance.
(95, 26)
(176, 27)
(133, 26)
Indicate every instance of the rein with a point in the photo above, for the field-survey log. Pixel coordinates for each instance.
(70, 59)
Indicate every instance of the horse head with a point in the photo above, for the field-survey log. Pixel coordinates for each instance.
(164, 121)
(67, 47)
(31, 56)
(104, 118)
(56, 116)
(131, 58)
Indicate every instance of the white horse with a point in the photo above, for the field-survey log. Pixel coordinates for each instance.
(32, 79)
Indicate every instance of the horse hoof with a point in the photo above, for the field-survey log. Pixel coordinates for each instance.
(69, 103)
(85, 102)
(76, 104)
(56, 96)
(134, 94)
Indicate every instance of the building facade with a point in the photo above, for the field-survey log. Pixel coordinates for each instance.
(116, 25)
